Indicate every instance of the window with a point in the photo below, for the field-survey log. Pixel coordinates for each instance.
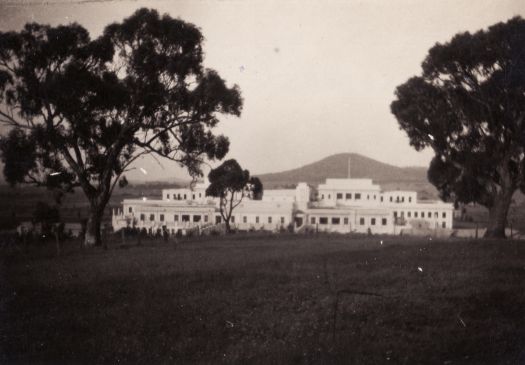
(176, 218)
(402, 214)
(232, 219)
(196, 218)
(436, 214)
(282, 220)
(444, 215)
(152, 217)
(178, 196)
(402, 199)
(408, 214)
(162, 217)
(218, 219)
(269, 219)
(383, 221)
(357, 196)
(395, 214)
(367, 197)
(345, 221)
(322, 196)
(381, 199)
(130, 209)
(429, 214)
(142, 217)
(323, 220)
(184, 196)
(373, 221)
(312, 220)
(336, 220)
(410, 199)
(390, 199)
(167, 196)
(348, 196)
(374, 197)
(415, 214)
(185, 218)
(257, 219)
(362, 221)
(193, 196)
(444, 225)
(339, 195)
(206, 218)
(244, 219)
(329, 196)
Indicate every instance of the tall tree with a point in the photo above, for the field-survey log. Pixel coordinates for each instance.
(80, 111)
(469, 107)
(230, 183)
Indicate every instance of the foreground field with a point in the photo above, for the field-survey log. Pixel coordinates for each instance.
(267, 299)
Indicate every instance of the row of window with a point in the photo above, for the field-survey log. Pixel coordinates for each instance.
(400, 199)
(348, 196)
(183, 196)
(197, 218)
(184, 218)
(357, 196)
(420, 214)
(337, 220)
(257, 219)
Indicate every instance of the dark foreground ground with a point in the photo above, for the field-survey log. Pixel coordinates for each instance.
(266, 300)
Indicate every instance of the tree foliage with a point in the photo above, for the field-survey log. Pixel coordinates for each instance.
(230, 183)
(468, 105)
(81, 111)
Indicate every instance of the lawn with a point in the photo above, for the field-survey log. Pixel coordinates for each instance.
(267, 299)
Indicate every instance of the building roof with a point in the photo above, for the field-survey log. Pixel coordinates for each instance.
(349, 184)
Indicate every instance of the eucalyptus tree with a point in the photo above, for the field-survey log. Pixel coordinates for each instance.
(468, 105)
(231, 184)
(79, 112)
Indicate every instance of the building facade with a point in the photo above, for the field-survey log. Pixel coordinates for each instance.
(342, 205)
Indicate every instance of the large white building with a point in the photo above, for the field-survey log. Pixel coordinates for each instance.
(342, 205)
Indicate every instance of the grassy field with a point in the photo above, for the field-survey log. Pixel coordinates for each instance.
(267, 299)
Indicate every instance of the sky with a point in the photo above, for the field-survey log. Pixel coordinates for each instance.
(317, 77)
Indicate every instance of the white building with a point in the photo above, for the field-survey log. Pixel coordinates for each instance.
(343, 205)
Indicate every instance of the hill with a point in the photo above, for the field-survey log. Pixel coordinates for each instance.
(336, 166)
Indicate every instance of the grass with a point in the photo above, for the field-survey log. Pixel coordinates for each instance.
(267, 299)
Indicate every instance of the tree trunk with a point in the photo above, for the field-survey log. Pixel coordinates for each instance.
(227, 223)
(57, 240)
(498, 214)
(92, 236)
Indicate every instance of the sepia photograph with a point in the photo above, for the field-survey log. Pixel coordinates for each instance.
(262, 182)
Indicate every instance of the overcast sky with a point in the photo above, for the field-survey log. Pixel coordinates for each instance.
(317, 77)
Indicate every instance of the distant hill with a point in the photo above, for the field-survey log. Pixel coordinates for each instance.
(336, 166)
